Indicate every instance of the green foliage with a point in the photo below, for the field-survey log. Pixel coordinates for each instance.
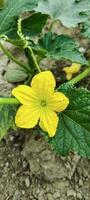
(31, 27)
(69, 12)
(86, 28)
(73, 133)
(7, 115)
(59, 47)
(15, 73)
(2, 3)
(12, 10)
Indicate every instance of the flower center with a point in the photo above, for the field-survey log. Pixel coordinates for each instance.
(43, 103)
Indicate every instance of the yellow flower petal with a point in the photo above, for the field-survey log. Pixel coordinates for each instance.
(59, 102)
(24, 94)
(40, 103)
(43, 83)
(75, 67)
(42, 126)
(27, 117)
(68, 76)
(49, 122)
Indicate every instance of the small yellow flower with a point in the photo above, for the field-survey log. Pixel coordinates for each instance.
(40, 103)
(75, 67)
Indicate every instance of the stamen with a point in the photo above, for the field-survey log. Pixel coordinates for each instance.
(43, 103)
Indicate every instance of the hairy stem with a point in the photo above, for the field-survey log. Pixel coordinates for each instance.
(8, 100)
(34, 58)
(25, 42)
(79, 77)
(8, 53)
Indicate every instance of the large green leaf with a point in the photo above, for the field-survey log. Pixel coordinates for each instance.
(7, 115)
(70, 12)
(13, 9)
(31, 27)
(73, 133)
(59, 47)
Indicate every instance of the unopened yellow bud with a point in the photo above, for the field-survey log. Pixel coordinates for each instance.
(73, 69)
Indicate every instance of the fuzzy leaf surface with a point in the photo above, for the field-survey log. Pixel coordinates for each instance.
(69, 12)
(86, 28)
(59, 47)
(73, 133)
(12, 10)
(2, 3)
(7, 115)
(31, 27)
(15, 73)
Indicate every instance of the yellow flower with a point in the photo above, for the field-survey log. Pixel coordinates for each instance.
(40, 103)
(75, 67)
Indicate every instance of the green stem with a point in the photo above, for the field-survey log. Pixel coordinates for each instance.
(79, 77)
(8, 100)
(34, 58)
(51, 25)
(25, 42)
(11, 56)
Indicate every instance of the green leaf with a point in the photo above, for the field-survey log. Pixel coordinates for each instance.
(69, 12)
(2, 3)
(73, 133)
(7, 115)
(86, 28)
(12, 10)
(15, 73)
(59, 47)
(31, 27)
